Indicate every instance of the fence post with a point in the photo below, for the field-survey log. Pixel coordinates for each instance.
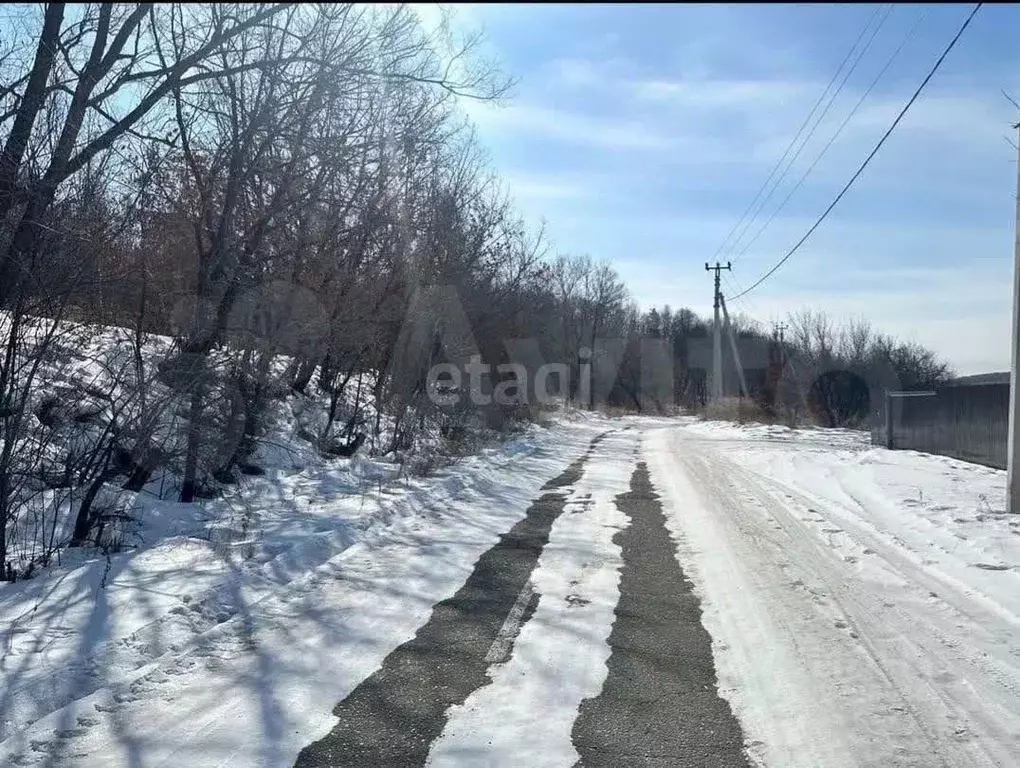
(888, 421)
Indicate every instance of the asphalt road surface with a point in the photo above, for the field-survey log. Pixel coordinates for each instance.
(658, 706)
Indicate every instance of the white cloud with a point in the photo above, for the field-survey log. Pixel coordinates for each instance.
(763, 115)
(430, 14)
(464, 17)
(969, 327)
(562, 125)
(576, 73)
(741, 95)
(957, 301)
(966, 320)
(543, 188)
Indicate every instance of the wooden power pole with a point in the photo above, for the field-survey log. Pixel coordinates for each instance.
(717, 382)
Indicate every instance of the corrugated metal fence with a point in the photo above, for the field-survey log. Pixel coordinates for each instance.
(966, 422)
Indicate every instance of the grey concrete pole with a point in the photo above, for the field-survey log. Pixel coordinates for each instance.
(888, 421)
(733, 347)
(717, 370)
(717, 383)
(1012, 478)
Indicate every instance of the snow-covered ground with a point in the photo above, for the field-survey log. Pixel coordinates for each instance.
(88, 382)
(864, 604)
(233, 652)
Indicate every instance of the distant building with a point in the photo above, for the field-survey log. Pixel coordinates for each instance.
(967, 419)
(981, 378)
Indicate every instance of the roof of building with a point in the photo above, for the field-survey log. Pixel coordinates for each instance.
(1001, 377)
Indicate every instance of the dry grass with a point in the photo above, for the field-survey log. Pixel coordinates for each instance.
(737, 409)
(616, 411)
(744, 411)
(730, 409)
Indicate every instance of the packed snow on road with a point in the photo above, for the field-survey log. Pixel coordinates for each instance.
(864, 604)
(861, 607)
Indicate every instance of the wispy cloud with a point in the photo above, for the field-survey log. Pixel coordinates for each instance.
(711, 94)
(547, 188)
(550, 123)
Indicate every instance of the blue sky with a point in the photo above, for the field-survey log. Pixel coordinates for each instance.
(641, 133)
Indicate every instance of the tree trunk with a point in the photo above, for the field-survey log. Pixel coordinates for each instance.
(83, 522)
(4, 494)
(189, 486)
(28, 110)
(304, 375)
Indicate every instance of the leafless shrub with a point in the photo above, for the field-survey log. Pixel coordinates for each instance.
(736, 409)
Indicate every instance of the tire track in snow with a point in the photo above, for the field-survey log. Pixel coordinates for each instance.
(524, 715)
(950, 714)
(802, 689)
(913, 697)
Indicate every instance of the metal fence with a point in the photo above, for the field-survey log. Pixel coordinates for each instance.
(966, 422)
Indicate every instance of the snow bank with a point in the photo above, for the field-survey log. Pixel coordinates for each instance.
(226, 643)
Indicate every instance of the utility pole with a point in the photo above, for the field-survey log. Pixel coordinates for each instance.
(776, 372)
(717, 382)
(778, 332)
(1013, 465)
(733, 347)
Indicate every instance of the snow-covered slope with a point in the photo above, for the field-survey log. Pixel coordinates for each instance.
(194, 651)
(87, 386)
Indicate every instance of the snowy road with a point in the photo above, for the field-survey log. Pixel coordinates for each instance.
(612, 666)
(628, 592)
(852, 626)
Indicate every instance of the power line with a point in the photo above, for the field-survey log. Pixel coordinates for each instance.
(793, 142)
(731, 283)
(737, 295)
(800, 130)
(867, 160)
(734, 289)
(835, 136)
(811, 133)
